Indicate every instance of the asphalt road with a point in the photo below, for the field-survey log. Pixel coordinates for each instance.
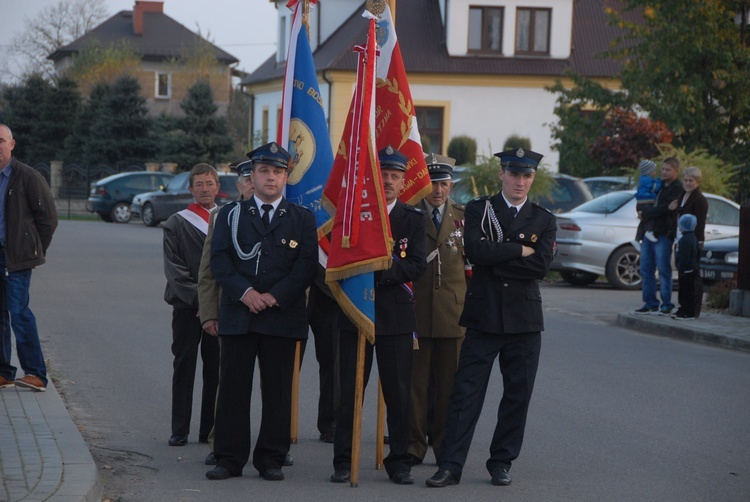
(616, 415)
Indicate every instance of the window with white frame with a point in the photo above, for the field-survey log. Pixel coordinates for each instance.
(163, 85)
(533, 31)
(485, 29)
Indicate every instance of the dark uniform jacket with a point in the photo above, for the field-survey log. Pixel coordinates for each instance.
(394, 306)
(30, 218)
(183, 247)
(285, 266)
(664, 219)
(503, 294)
(441, 289)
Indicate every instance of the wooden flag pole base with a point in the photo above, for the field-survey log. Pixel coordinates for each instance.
(380, 429)
(359, 385)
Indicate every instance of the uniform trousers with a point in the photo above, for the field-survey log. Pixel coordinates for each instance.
(187, 337)
(436, 361)
(394, 355)
(232, 441)
(322, 315)
(518, 356)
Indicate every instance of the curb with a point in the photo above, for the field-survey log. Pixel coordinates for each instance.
(693, 331)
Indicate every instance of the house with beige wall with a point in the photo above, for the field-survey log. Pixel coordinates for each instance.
(172, 57)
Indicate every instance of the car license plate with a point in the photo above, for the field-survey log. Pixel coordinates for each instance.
(708, 274)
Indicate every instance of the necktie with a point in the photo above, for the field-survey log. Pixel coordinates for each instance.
(436, 217)
(266, 214)
(513, 211)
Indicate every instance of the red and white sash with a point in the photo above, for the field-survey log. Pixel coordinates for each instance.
(196, 215)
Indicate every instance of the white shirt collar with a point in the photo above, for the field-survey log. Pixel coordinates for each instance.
(391, 206)
(519, 206)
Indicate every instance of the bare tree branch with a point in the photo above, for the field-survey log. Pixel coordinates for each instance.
(53, 27)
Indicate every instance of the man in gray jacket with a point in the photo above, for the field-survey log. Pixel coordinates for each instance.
(184, 236)
(28, 219)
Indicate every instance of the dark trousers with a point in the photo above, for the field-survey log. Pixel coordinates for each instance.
(394, 355)
(518, 356)
(686, 295)
(435, 362)
(232, 442)
(322, 315)
(187, 337)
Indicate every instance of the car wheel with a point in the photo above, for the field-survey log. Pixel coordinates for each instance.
(147, 215)
(624, 268)
(578, 278)
(121, 212)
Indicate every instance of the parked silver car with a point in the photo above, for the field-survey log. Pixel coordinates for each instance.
(596, 238)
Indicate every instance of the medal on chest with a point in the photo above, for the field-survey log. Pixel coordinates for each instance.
(403, 244)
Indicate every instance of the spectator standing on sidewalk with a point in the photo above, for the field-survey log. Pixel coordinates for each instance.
(658, 255)
(28, 220)
(645, 195)
(686, 259)
(694, 202)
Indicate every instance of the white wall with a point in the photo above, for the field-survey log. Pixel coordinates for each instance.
(491, 114)
(560, 32)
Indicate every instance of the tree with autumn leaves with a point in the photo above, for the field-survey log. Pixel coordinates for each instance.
(685, 66)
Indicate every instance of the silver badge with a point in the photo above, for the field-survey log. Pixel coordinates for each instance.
(520, 153)
(273, 148)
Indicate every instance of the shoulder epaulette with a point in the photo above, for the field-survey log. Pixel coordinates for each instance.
(415, 209)
(542, 208)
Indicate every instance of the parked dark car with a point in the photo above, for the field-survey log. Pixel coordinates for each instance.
(154, 207)
(111, 197)
(719, 259)
(567, 191)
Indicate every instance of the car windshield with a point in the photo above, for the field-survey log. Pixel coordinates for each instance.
(605, 204)
(179, 182)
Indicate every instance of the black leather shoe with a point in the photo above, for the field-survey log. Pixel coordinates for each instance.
(500, 477)
(272, 475)
(442, 478)
(220, 472)
(178, 440)
(288, 460)
(341, 476)
(211, 459)
(414, 460)
(402, 478)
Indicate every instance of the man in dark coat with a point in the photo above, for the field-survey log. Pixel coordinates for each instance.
(510, 243)
(28, 220)
(395, 324)
(184, 236)
(264, 255)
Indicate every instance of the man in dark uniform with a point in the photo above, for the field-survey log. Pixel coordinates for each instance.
(440, 296)
(395, 324)
(510, 242)
(264, 254)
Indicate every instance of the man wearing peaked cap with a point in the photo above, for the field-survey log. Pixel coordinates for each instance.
(395, 324)
(264, 255)
(439, 294)
(509, 241)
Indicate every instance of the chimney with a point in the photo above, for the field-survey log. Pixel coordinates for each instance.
(141, 8)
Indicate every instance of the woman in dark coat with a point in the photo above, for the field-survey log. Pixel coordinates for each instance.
(695, 203)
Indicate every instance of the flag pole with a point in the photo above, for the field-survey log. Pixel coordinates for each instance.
(295, 393)
(380, 429)
(392, 5)
(359, 384)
